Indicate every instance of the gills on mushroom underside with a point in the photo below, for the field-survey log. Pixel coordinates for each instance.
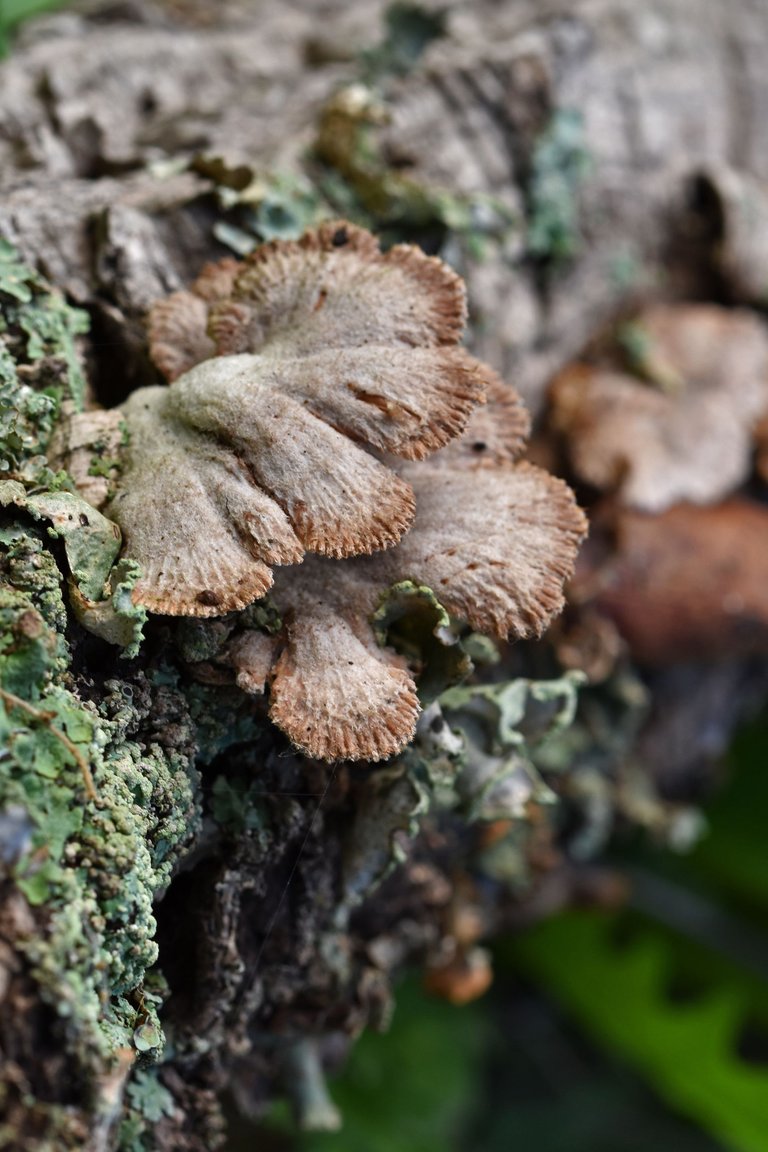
(336, 372)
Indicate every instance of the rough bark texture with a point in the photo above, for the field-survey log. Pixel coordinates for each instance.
(259, 938)
(665, 93)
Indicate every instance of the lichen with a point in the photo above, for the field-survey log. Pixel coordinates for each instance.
(39, 365)
(351, 172)
(96, 811)
(96, 864)
(559, 165)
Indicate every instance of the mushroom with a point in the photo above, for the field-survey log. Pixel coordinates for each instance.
(495, 540)
(687, 438)
(337, 371)
(329, 354)
(685, 585)
(178, 325)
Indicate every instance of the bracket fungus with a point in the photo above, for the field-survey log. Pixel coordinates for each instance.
(307, 385)
(684, 431)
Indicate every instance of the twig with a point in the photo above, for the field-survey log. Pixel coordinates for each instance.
(37, 714)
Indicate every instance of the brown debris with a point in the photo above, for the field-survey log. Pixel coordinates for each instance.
(466, 977)
(686, 435)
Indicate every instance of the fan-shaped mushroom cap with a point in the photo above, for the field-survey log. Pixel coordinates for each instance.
(334, 288)
(178, 325)
(204, 535)
(692, 442)
(494, 544)
(325, 345)
(496, 432)
(336, 693)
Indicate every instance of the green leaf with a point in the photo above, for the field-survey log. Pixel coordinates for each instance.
(732, 855)
(685, 1050)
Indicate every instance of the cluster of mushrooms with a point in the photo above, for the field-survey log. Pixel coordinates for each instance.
(322, 438)
(666, 431)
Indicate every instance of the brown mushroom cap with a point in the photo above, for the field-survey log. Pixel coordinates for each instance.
(335, 692)
(692, 442)
(689, 584)
(494, 544)
(325, 347)
(189, 512)
(334, 288)
(178, 325)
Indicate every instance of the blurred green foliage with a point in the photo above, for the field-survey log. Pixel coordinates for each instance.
(15, 12)
(412, 1088)
(679, 987)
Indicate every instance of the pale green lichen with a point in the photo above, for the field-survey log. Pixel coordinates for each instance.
(96, 864)
(411, 619)
(39, 365)
(99, 585)
(97, 815)
(559, 165)
(356, 180)
(147, 1101)
(409, 29)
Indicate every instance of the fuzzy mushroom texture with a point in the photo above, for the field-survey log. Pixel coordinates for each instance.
(329, 355)
(495, 540)
(686, 433)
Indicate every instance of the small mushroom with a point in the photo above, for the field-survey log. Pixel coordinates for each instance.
(328, 353)
(494, 544)
(687, 438)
